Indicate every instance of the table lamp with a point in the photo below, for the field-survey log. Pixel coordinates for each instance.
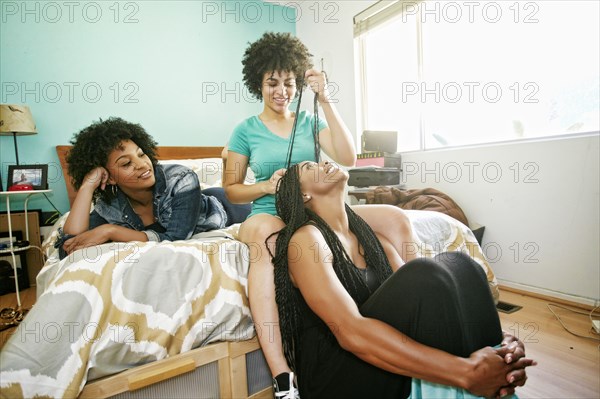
(16, 120)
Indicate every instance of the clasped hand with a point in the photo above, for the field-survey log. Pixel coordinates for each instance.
(504, 367)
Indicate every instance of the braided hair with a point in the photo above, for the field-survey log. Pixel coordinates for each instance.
(291, 209)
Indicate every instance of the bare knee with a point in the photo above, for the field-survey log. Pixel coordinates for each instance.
(404, 233)
(392, 223)
(259, 227)
(402, 222)
(256, 232)
(387, 220)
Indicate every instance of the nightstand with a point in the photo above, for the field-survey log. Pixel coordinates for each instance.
(12, 250)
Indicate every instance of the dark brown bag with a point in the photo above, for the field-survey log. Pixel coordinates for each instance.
(422, 199)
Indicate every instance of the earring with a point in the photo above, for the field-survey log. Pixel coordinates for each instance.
(114, 189)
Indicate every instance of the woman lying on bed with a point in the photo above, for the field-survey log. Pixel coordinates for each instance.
(113, 166)
(355, 324)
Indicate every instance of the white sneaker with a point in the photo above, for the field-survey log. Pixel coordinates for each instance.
(282, 393)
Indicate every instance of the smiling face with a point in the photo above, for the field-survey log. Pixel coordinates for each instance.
(321, 178)
(129, 168)
(278, 90)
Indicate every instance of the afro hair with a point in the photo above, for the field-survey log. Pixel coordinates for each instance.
(93, 144)
(274, 52)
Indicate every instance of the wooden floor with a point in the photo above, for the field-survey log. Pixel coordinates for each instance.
(568, 366)
(10, 301)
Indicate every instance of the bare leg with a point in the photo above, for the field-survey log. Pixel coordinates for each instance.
(392, 223)
(261, 288)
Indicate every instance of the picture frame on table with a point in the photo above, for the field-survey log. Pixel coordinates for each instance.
(22, 177)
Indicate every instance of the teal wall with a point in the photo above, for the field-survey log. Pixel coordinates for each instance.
(172, 66)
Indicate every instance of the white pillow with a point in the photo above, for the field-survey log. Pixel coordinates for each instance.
(209, 170)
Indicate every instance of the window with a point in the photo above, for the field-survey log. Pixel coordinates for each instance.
(452, 73)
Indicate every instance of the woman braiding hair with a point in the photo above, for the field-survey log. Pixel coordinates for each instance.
(276, 69)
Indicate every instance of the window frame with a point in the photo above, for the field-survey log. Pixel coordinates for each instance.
(386, 11)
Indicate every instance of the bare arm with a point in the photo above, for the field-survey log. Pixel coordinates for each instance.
(103, 234)
(224, 153)
(233, 180)
(378, 343)
(78, 221)
(79, 216)
(336, 140)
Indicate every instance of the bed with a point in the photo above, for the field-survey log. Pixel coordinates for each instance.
(168, 319)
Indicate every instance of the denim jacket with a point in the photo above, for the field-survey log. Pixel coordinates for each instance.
(180, 208)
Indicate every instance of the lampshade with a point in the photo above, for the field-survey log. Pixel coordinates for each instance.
(16, 120)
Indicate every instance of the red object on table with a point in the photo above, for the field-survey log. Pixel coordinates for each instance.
(20, 187)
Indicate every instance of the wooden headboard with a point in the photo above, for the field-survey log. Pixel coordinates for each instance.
(166, 152)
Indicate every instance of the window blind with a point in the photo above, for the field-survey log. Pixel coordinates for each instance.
(379, 13)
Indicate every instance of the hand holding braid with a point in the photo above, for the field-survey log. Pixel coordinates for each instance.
(317, 81)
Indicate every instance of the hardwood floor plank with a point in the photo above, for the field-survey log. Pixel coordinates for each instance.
(568, 366)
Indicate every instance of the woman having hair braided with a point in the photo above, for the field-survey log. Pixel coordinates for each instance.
(355, 324)
(276, 69)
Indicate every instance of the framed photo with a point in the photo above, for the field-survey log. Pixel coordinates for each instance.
(34, 175)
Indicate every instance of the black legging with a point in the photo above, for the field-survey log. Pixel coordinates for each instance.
(444, 302)
(236, 213)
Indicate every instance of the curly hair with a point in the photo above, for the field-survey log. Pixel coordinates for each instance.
(274, 52)
(93, 144)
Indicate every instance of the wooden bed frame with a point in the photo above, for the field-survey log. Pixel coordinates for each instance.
(231, 358)
(232, 373)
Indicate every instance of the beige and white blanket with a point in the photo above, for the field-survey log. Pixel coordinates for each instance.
(119, 305)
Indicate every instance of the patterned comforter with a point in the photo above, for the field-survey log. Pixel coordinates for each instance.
(120, 305)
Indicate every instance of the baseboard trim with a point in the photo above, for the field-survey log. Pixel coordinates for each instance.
(548, 295)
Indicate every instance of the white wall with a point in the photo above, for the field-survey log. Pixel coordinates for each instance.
(538, 200)
(326, 27)
(539, 203)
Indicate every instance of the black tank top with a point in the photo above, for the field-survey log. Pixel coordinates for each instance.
(368, 274)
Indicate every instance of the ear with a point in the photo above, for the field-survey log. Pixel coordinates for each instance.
(306, 197)
(111, 180)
